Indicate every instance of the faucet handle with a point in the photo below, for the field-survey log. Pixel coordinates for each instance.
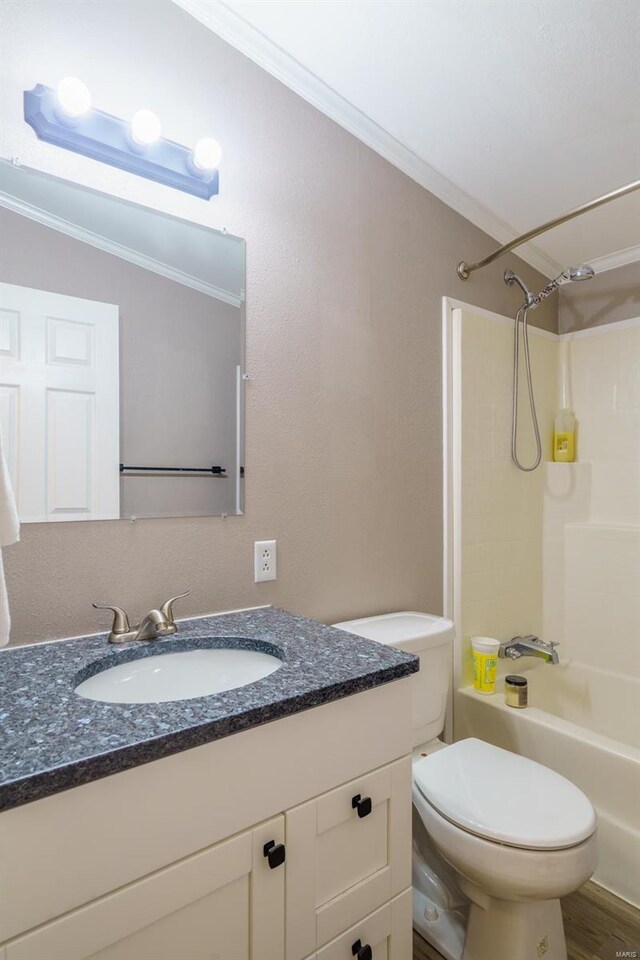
(120, 618)
(167, 608)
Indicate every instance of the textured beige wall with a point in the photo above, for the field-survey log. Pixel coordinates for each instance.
(347, 262)
(608, 297)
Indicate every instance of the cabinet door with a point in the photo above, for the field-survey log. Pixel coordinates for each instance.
(203, 908)
(347, 856)
(387, 931)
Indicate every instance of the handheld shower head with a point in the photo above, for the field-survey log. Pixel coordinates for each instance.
(583, 272)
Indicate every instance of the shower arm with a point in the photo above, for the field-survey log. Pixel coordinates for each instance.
(465, 269)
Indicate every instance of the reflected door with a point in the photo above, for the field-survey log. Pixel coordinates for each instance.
(59, 404)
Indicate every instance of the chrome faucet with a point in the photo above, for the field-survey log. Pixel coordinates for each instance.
(157, 623)
(529, 646)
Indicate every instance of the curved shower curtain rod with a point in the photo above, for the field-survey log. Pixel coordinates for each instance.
(466, 269)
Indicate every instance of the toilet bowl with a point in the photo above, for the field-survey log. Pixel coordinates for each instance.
(498, 838)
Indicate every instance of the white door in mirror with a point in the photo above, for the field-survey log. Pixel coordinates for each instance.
(59, 404)
(264, 560)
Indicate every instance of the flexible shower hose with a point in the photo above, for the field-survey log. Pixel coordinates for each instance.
(521, 315)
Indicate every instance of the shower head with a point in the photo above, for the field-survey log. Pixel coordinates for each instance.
(583, 272)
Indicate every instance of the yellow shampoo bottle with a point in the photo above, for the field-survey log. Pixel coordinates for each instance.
(564, 436)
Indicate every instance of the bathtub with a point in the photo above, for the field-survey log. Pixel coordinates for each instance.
(585, 724)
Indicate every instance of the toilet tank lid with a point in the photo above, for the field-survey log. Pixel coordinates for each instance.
(501, 796)
(408, 628)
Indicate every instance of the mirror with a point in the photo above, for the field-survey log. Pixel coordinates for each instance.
(121, 356)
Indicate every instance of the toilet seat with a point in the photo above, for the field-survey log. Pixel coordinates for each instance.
(505, 798)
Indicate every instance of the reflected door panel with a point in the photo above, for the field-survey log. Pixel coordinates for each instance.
(59, 404)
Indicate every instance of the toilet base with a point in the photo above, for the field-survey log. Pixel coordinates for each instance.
(443, 929)
(440, 909)
(512, 930)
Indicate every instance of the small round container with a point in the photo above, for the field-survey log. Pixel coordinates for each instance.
(516, 691)
(484, 651)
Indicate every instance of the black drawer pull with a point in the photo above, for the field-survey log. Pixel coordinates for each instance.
(360, 952)
(363, 805)
(275, 853)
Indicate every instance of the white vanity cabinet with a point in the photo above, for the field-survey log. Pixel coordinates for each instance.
(170, 860)
(224, 902)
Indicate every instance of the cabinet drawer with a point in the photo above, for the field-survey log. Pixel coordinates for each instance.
(388, 931)
(349, 852)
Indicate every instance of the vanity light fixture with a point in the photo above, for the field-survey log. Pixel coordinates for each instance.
(66, 118)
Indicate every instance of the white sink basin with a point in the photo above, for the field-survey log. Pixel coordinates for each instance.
(178, 676)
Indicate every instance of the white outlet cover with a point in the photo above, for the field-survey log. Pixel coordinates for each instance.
(264, 560)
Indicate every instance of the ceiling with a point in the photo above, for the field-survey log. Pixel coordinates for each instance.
(511, 111)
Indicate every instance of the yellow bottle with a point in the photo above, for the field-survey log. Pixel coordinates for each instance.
(564, 437)
(484, 651)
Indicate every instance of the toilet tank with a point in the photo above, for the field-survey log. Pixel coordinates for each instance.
(429, 638)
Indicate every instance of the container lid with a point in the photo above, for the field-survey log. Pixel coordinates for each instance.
(503, 797)
(485, 645)
(515, 680)
(403, 629)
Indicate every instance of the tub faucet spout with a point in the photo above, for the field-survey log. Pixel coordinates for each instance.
(529, 646)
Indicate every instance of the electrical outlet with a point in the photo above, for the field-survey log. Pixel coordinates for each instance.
(264, 560)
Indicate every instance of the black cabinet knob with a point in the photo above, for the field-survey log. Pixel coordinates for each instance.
(360, 952)
(363, 805)
(275, 853)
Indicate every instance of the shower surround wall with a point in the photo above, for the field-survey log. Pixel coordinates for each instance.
(502, 507)
(555, 552)
(592, 509)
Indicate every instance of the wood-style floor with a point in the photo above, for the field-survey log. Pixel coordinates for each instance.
(597, 925)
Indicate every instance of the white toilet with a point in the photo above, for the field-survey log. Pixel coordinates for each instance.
(497, 838)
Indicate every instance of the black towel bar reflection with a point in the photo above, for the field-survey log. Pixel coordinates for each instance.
(214, 471)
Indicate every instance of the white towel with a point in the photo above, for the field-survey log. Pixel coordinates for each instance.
(9, 533)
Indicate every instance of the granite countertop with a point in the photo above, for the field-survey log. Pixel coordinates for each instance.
(51, 739)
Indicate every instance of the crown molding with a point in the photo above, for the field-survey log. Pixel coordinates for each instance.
(117, 249)
(614, 260)
(235, 30)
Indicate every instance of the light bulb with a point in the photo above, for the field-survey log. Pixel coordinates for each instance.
(206, 155)
(74, 97)
(145, 128)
